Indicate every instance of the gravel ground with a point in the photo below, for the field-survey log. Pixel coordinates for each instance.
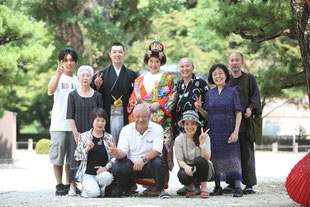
(30, 182)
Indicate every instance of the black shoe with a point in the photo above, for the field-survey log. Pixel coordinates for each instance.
(129, 194)
(151, 192)
(60, 190)
(183, 190)
(238, 192)
(126, 194)
(229, 189)
(217, 191)
(134, 188)
(67, 188)
(248, 190)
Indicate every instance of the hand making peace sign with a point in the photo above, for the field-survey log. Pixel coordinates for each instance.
(203, 136)
(90, 144)
(98, 80)
(133, 102)
(112, 148)
(198, 103)
(60, 68)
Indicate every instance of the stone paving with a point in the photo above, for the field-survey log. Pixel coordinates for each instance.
(30, 182)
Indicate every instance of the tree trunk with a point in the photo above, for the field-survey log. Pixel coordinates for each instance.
(71, 32)
(301, 15)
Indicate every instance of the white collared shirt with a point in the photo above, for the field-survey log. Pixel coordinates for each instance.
(150, 80)
(117, 71)
(136, 145)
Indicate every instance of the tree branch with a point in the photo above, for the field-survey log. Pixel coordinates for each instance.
(6, 39)
(8, 82)
(261, 38)
(292, 85)
(297, 74)
(287, 101)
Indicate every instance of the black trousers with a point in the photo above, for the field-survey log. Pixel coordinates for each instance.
(247, 160)
(202, 169)
(124, 173)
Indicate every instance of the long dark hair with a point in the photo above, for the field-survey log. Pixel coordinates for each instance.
(197, 135)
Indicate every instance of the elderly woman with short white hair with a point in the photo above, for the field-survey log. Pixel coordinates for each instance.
(188, 88)
(80, 104)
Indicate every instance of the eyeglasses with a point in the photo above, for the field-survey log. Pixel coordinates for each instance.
(85, 75)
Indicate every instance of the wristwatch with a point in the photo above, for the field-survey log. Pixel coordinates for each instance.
(144, 159)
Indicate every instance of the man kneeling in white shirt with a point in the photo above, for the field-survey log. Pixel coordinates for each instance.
(138, 152)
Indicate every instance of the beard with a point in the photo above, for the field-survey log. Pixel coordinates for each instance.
(235, 69)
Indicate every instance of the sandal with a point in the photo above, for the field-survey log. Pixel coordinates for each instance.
(204, 194)
(190, 194)
(217, 191)
(248, 190)
(229, 189)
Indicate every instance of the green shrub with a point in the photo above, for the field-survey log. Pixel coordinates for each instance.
(43, 146)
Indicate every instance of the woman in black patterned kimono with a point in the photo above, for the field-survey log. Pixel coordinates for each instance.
(187, 90)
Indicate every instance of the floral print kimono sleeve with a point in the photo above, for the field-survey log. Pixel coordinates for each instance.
(166, 93)
(137, 85)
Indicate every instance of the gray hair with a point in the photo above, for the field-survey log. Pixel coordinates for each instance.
(237, 53)
(187, 59)
(85, 67)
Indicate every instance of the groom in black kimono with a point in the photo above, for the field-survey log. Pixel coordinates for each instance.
(115, 83)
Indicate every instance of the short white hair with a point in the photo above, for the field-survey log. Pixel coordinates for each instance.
(187, 59)
(85, 67)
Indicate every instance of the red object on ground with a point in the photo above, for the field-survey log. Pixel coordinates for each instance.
(308, 2)
(148, 182)
(298, 182)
